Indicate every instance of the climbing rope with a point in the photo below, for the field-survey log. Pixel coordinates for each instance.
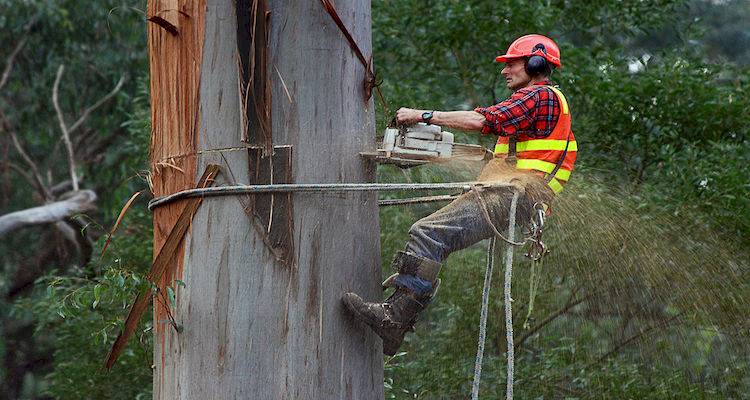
(483, 319)
(317, 187)
(534, 279)
(507, 301)
(507, 298)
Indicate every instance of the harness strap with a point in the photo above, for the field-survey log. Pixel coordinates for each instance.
(511, 157)
(560, 161)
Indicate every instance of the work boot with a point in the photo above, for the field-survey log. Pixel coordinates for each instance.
(398, 314)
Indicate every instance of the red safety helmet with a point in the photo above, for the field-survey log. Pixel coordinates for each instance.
(532, 45)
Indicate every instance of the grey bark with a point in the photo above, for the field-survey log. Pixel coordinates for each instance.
(76, 203)
(255, 328)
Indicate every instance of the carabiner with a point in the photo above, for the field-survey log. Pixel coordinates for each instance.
(538, 249)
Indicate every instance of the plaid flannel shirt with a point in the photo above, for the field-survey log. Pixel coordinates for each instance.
(532, 111)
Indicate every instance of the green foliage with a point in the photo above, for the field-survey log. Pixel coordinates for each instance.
(675, 125)
(98, 44)
(85, 314)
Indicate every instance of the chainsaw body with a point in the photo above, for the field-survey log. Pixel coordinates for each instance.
(420, 144)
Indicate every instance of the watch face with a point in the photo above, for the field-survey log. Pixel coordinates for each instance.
(426, 115)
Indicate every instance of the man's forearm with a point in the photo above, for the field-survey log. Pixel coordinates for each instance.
(463, 120)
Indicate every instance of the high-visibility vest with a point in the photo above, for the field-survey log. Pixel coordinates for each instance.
(543, 155)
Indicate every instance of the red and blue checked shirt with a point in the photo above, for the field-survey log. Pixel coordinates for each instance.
(532, 110)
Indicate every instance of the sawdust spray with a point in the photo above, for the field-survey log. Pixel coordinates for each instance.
(659, 288)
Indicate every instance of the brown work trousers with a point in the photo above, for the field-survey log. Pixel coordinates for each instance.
(463, 223)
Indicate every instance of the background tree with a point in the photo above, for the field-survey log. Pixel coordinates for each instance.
(64, 142)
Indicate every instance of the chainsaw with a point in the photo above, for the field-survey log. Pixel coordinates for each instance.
(420, 144)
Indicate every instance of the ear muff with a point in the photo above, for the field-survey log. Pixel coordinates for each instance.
(537, 64)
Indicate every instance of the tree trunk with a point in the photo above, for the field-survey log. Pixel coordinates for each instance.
(260, 311)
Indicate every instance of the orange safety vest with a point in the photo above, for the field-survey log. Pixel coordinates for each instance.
(543, 155)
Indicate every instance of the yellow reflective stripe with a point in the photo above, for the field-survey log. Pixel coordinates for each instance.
(555, 186)
(563, 101)
(538, 144)
(544, 166)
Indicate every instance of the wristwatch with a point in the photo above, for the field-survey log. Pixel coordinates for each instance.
(427, 116)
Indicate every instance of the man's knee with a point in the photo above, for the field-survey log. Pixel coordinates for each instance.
(419, 228)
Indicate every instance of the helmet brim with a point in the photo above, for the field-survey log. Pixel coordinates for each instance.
(507, 57)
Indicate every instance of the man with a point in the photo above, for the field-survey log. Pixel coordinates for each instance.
(535, 153)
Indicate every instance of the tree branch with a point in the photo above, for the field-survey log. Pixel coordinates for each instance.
(64, 127)
(11, 60)
(619, 346)
(20, 171)
(34, 170)
(48, 213)
(96, 105)
(67, 131)
(551, 317)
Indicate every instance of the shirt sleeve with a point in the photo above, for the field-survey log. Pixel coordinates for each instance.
(521, 114)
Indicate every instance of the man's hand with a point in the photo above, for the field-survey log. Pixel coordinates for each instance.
(408, 116)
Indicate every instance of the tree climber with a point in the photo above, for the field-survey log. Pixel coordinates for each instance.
(535, 153)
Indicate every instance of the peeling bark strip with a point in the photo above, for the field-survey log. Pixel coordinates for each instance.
(272, 213)
(164, 24)
(253, 23)
(164, 265)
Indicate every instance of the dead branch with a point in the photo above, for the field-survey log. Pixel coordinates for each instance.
(61, 187)
(64, 127)
(659, 325)
(58, 211)
(11, 60)
(67, 131)
(67, 232)
(25, 174)
(96, 105)
(32, 165)
(572, 302)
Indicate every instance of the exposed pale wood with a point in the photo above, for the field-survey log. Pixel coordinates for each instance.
(49, 213)
(254, 327)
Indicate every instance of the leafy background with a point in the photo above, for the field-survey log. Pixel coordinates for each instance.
(643, 295)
